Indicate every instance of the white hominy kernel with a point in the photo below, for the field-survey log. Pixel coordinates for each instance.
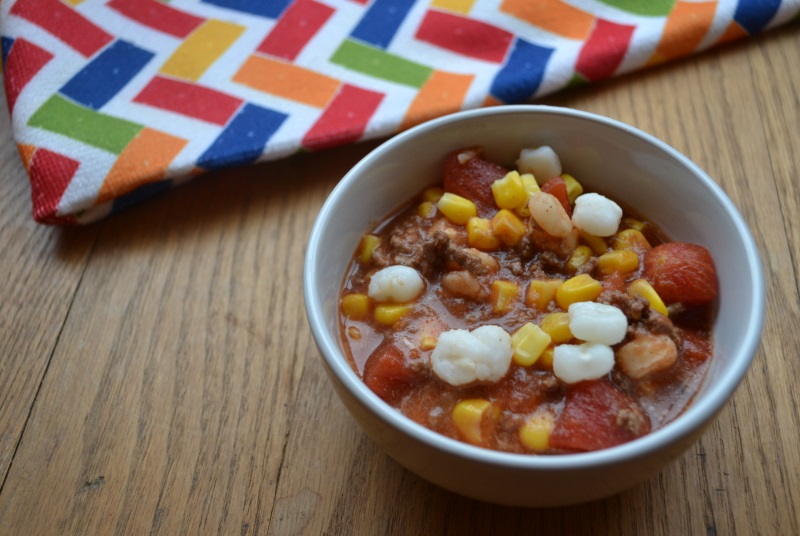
(462, 357)
(596, 214)
(573, 363)
(399, 284)
(542, 162)
(597, 322)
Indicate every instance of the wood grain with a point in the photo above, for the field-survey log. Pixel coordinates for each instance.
(157, 374)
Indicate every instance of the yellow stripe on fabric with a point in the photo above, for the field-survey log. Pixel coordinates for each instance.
(144, 160)
(555, 16)
(442, 93)
(74, 2)
(288, 81)
(201, 49)
(457, 6)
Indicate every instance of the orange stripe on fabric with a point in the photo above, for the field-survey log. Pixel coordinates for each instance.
(552, 15)
(733, 33)
(288, 81)
(685, 28)
(201, 49)
(456, 6)
(441, 94)
(144, 160)
(26, 153)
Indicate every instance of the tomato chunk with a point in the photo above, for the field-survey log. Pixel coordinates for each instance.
(468, 175)
(388, 374)
(597, 415)
(681, 272)
(558, 188)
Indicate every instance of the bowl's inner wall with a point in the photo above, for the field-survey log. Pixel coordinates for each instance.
(647, 177)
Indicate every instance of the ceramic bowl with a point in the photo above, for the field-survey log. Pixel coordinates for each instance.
(625, 164)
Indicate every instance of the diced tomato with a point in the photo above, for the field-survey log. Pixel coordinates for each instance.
(681, 272)
(615, 281)
(597, 415)
(388, 373)
(558, 188)
(471, 176)
(695, 345)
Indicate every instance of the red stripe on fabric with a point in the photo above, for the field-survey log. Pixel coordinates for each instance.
(295, 28)
(65, 23)
(345, 119)
(189, 99)
(50, 174)
(465, 36)
(158, 16)
(24, 60)
(604, 50)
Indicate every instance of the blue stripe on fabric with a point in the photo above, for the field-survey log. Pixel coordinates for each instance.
(140, 194)
(380, 23)
(243, 140)
(522, 74)
(6, 43)
(263, 8)
(754, 15)
(103, 77)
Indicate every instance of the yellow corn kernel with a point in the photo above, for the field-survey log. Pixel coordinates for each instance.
(597, 243)
(574, 188)
(557, 326)
(355, 306)
(467, 416)
(531, 186)
(508, 227)
(535, 433)
(368, 245)
(509, 192)
(480, 235)
(577, 289)
(578, 258)
(634, 223)
(503, 295)
(545, 361)
(631, 239)
(432, 195)
(643, 288)
(528, 343)
(618, 260)
(427, 342)
(541, 293)
(426, 209)
(457, 209)
(389, 313)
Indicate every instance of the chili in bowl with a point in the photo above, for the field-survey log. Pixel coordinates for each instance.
(532, 305)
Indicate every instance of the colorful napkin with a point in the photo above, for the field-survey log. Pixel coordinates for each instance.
(112, 101)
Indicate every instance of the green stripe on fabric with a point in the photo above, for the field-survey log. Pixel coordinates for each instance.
(651, 8)
(577, 80)
(375, 62)
(79, 123)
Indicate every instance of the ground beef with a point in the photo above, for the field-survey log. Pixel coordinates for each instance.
(409, 245)
(634, 307)
(587, 267)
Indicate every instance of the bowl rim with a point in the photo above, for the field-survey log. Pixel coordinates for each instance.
(699, 412)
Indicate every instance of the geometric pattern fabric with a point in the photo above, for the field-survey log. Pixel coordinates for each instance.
(112, 101)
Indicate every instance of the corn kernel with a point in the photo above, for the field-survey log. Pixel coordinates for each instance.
(508, 227)
(597, 243)
(535, 433)
(541, 293)
(545, 361)
(480, 235)
(503, 295)
(457, 209)
(578, 258)
(631, 239)
(467, 416)
(355, 306)
(509, 192)
(574, 188)
(389, 313)
(426, 209)
(432, 195)
(557, 326)
(531, 186)
(579, 288)
(634, 223)
(528, 343)
(618, 260)
(368, 245)
(643, 288)
(427, 342)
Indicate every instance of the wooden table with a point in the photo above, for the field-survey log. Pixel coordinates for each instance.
(157, 372)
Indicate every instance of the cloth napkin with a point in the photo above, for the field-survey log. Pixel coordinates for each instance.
(112, 101)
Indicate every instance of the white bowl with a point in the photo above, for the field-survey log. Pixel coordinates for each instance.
(622, 162)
